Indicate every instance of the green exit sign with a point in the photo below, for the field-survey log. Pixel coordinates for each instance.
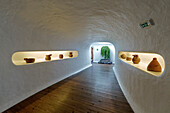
(147, 23)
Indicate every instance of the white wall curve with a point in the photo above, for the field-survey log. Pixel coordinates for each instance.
(74, 25)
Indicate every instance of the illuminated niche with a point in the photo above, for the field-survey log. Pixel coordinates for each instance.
(145, 59)
(31, 57)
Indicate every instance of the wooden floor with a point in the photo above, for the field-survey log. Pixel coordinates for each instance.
(94, 90)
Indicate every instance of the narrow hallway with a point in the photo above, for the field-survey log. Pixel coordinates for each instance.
(94, 90)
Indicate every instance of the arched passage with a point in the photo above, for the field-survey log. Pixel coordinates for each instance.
(96, 56)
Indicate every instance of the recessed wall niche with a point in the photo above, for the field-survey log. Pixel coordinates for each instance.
(145, 59)
(31, 57)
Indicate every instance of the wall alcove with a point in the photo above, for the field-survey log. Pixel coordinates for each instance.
(40, 56)
(145, 59)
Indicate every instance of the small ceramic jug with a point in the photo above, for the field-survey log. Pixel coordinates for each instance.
(154, 66)
(70, 54)
(136, 59)
(123, 56)
(48, 57)
(61, 56)
(128, 58)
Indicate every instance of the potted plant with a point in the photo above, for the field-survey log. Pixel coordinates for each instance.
(105, 52)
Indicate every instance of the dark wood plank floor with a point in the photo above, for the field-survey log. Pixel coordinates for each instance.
(94, 90)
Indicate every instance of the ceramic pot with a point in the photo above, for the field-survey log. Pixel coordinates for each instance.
(123, 56)
(29, 60)
(128, 58)
(61, 56)
(154, 66)
(48, 57)
(136, 59)
(70, 54)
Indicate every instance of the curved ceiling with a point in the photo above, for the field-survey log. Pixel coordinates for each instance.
(95, 20)
(76, 24)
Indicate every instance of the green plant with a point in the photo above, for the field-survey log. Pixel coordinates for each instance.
(105, 52)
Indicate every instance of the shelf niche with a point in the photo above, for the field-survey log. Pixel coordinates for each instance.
(40, 56)
(145, 59)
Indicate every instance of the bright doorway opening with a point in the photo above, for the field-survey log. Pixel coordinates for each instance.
(102, 53)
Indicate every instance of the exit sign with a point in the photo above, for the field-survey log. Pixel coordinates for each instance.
(147, 23)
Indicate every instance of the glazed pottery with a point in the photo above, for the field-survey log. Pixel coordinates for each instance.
(128, 58)
(48, 57)
(61, 56)
(154, 66)
(123, 56)
(29, 60)
(136, 59)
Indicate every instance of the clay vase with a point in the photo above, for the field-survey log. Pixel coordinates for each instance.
(48, 57)
(128, 58)
(154, 66)
(123, 56)
(29, 60)
(70, 54)
(61, 56)
(136, 59)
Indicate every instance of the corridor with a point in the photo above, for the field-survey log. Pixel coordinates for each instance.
(94, 90)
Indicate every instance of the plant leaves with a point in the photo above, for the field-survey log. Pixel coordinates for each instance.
(105, 52)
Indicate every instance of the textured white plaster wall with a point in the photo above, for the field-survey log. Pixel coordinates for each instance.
(75, 24)
(29, 25)
(97, 54)
(118, 21)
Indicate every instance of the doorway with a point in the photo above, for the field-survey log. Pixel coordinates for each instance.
(102, 53)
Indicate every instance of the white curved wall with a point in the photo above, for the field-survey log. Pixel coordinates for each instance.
(74, 25)
(27, 25)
